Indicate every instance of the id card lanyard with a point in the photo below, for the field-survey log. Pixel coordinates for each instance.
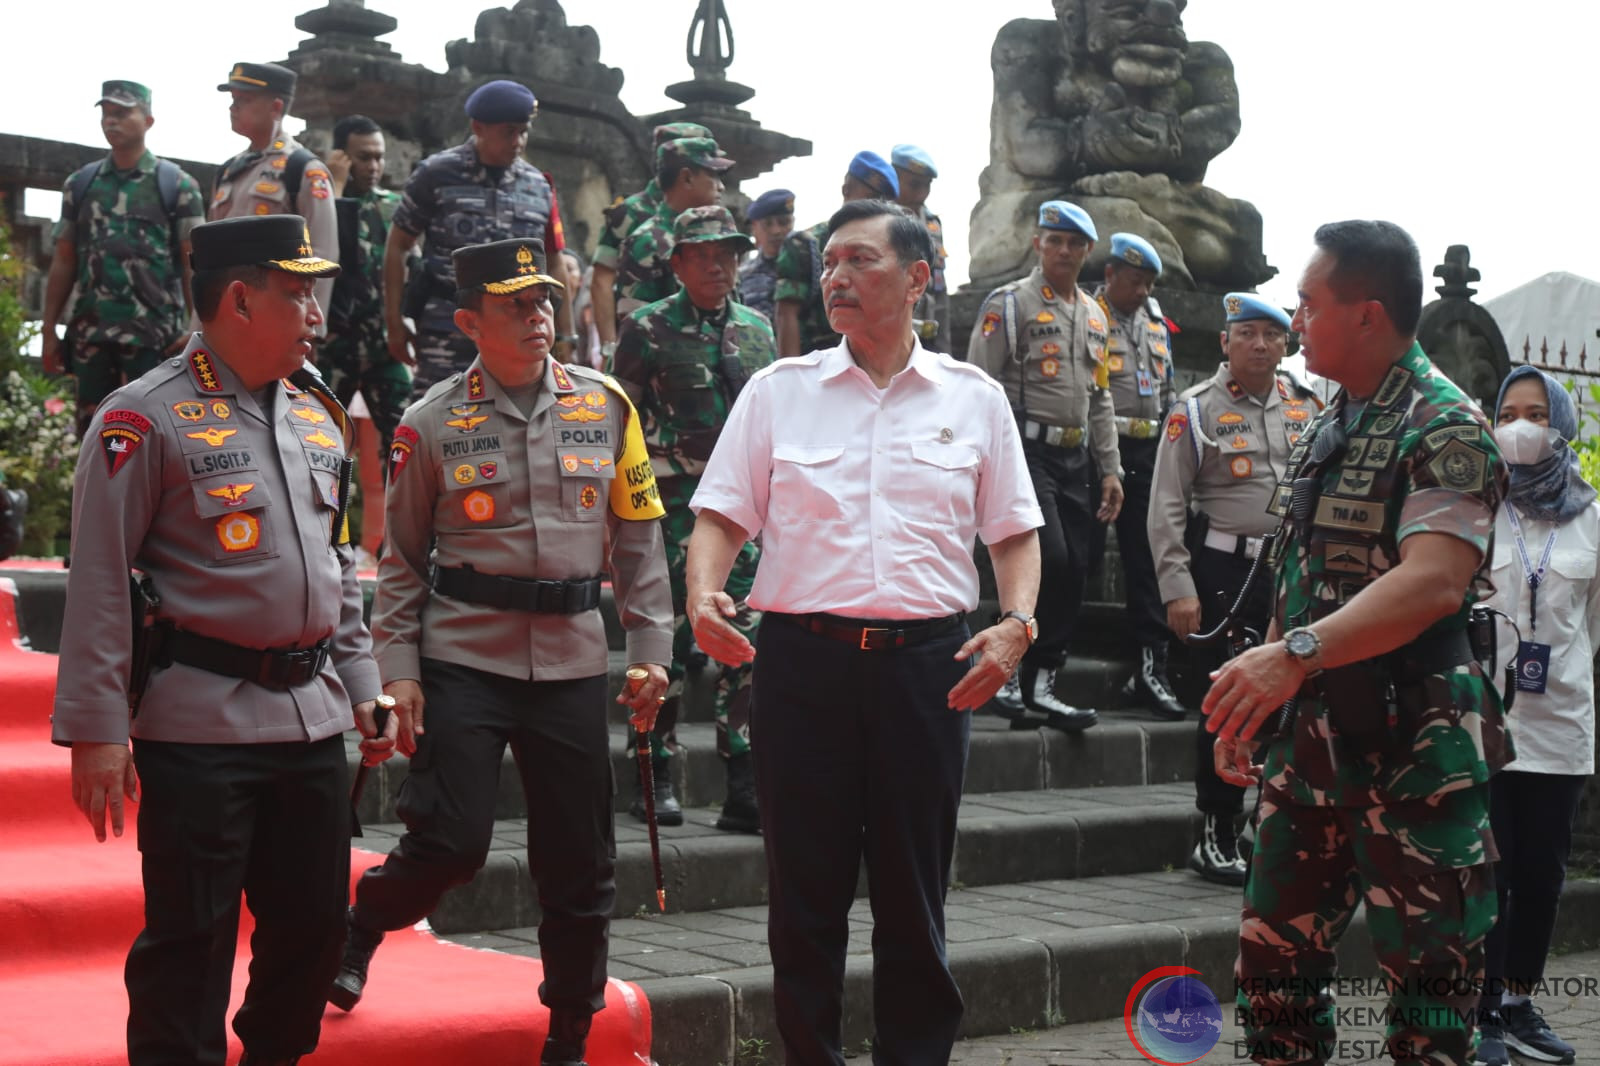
(1534, 575)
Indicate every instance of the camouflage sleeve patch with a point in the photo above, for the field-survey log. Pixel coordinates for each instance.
(1456, 482)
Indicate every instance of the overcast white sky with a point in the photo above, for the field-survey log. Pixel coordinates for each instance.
(1466, 121)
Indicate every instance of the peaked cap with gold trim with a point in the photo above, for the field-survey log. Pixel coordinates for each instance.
(501, 267)
(277, 242)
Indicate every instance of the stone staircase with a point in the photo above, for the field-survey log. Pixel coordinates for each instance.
(1069, 876)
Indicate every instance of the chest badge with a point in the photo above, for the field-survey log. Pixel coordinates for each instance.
(1240, 466)
(589, 497)
(212, 435)
(189, 410)
(239, 532)
(309, 414)
(479, 506)
(467, 423)
(1050, 367)
(322, 440)
(232, 495)
(465, 474)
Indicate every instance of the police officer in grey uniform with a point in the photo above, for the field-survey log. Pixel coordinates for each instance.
(221, 474)
(277, 175)
(481, 190)
(514, 487)
(1221, 456)
(1139, 368)
(1044, 340)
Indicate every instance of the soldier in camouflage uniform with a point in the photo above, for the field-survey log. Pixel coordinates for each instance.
(1376, 788)
(682, 361)
(689, 172)
(914, 169)
(802, 323)
(355, 356)
(480, 191)
(123, 242)
(622, 218)
(771, 218)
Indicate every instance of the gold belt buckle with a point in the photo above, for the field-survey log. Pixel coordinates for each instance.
(1142, 429)
(1072, 436)
(870, 629)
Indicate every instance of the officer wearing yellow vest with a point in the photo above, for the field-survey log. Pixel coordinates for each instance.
(1139, 369)
(1044, 339)
(514, 488)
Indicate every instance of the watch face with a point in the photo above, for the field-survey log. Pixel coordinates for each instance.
(1301, 644)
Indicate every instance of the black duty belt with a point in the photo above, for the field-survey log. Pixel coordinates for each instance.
(274, 668)
(1431, 654)
(538, 595)
(870, 634)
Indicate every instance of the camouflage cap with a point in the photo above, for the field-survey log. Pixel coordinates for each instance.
(702, 225)
(673, 131)
(501, 268)
(277, 242)
(124, 94)
(693, 151)
(260, 78)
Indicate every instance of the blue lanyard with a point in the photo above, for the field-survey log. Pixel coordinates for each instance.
(1535, 576)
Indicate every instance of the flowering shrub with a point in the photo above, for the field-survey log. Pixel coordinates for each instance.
(38, 452)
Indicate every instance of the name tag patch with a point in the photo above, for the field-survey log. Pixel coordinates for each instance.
(1361, 515)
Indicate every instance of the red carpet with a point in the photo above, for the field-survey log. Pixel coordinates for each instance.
(69, 909)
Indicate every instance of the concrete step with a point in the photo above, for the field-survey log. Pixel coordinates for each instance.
(1126, 748)
(1001, 837)
(1026, 955)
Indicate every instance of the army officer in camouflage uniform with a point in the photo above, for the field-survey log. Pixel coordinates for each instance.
(683, 361)
(1044, 339)
(689, 172)
(221, 475)
(277, 175)
(481, 190)
(123, 246)
(1223, 452)
(514, 488)
(1377, 790)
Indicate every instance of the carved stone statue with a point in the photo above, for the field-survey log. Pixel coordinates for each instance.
(1460, 337)
(1113, 107)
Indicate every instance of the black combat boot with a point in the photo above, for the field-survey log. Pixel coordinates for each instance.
(1007, 703)
(668, 811)
(359, 944)
(569, 1031)
(1150, 686)
(1038, 694)
(740, 813)
(1216, 857)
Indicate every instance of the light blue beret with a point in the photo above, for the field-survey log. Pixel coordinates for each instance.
(1058, 214)
(910, 157)
(1135, 251)
(1247, 306)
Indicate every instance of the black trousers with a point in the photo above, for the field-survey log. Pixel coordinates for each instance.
(1218, 577)
(557, 733)
(1145, 609)
(859, 756)
(1061, 481)
(1531, 815)
(272, 821)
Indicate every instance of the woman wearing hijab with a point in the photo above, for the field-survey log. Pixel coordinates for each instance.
(1545, 542)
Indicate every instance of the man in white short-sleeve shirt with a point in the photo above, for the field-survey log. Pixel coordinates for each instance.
(868, 469)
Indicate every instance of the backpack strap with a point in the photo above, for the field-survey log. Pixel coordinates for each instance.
(293, 171)
(78, 185)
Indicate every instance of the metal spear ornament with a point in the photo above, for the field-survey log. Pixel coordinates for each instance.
(637, 676)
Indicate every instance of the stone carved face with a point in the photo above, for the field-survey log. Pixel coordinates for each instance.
(1139, 42)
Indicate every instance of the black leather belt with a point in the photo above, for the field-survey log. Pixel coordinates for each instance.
(274, 668)
(1431, 654)
(537, 595)
(870, 634)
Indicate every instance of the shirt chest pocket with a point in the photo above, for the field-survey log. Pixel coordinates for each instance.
(526, 219)
(1576, 568)
(688, 395)
(940, 483)
(806, 484)
(586, 476)
(476, 493)
(233, 509)
(269, 191)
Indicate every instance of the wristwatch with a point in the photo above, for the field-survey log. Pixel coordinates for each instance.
(1029, 623)
(1305, 647)
(608, 349)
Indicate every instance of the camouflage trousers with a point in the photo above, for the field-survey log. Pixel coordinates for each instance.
(102, 367)
(438, 356)
(731, 700)
(1428, 920)
(352, 366)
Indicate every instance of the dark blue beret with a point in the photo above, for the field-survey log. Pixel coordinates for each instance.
(772, 202)
(501, 101)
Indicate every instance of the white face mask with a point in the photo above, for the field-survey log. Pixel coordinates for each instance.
(1524, 443)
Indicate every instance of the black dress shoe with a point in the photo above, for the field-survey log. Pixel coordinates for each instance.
(740, 813)
(359, 944)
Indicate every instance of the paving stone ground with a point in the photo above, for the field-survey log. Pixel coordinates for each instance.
(1575, 1017)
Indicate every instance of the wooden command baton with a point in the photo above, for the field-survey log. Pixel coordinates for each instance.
(637, 676)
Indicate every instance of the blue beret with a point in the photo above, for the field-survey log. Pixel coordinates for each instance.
(772, 202)
(1058, 214)
(870, 169)
(1247, 306)
(501, 101)
(1135, 251)
(910, 157)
